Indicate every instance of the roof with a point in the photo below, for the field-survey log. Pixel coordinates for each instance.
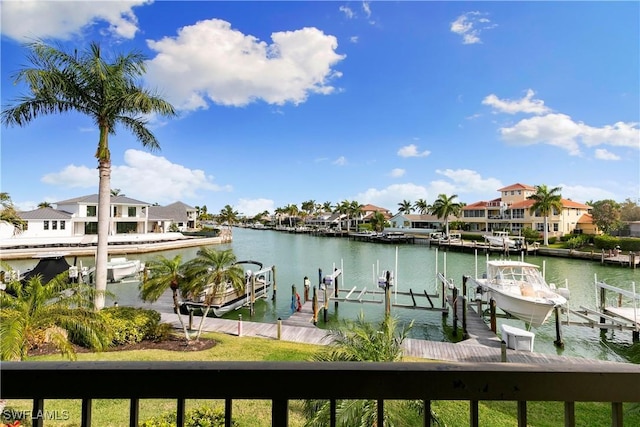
(517, 186)
(93, 199)
(45, 214)
(585, 219)
(176, 212)
(374, 208)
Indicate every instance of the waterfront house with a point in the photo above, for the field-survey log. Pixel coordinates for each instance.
(177, 215)
(419, 222)
(511, 212)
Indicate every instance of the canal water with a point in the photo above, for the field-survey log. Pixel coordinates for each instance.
(415, 266)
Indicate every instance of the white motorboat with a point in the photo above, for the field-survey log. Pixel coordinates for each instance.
(256, 285)
(500, 238)
(119, 268)
(519, 289)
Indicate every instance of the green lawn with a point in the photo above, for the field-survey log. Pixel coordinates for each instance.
(253, 413)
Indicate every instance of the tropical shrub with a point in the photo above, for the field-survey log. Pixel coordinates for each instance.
(606, 242)
(130, 325)
(203, 416)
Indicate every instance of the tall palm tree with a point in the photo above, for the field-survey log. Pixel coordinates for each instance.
(210, 271)
(107, 92)
(545, 201)
(164, 273)
(9, 214)
(292, 211)
(58, 311)
(405, 206)
(355, 210)
(44, 205)
(421, 206)
(327, 207)
(359, 341)
(344, 208)
(444, 206)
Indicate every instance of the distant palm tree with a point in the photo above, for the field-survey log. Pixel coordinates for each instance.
(444, 206)
(116, 192)
(292, 211)
(58, 312)
(327, 207)
(44, 205)
(344, 208)
(107, 92)
(421, 206)
(359, 341)
(164, 273)
(9, 214)
(212, 268)
(355, 210)
(228, 215)
(378, 221)
(405, 207)
(545, 201)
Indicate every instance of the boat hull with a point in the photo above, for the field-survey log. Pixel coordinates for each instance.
(118, 270)
(530, 311)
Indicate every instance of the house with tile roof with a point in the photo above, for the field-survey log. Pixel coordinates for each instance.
(511, 212)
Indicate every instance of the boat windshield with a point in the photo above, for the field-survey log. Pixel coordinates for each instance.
(518, 274)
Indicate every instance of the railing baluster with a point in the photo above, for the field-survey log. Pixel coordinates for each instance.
(38, 409)
(473, 413)
(332, 414)
(180, 413)
(86, 413)
(616, 414)
(522, 413)
(428, 420)
(569, 414)
(134, 412)
(228, 412)
(279, 413)
(380, 412)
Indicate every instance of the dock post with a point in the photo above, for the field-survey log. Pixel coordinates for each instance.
(335, 288)
(326, 304)
(387, 295)
(465, 335)
(239, 325)
(279, 328)
(455, 311)
(275, 288)
(444, 300)
(603, 303)
(252, 309)
(314, 305)
(492, 314)
(307, 284)
(558, 342)
(503, 351)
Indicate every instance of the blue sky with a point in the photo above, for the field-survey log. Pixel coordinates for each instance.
(379, 102)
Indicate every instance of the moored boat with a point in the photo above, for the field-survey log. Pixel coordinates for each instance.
(119, 268)
(519, 289)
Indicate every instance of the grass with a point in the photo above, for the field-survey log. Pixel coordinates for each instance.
(257, 413)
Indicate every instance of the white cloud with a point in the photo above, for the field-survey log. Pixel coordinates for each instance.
(143, 176)
(411, 150)
(340, 161)
(354, 39)
(28, 20)
(603, 154)
(582, 194)
(470, 25)
(523, 105)
(561, 131)
(253, 207)
(366, 7)
(347, 12)
(397, 173)
(469, 181)
(210, 61)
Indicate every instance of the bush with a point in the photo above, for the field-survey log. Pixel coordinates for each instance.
(203, 416)
(607, 242)
(130, 325)
(161, 332)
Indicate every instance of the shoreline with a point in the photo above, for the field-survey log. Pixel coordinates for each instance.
(125, 246)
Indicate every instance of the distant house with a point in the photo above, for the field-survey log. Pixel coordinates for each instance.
(511, 212)
(161, 218)
(79, 216)
(428, 222)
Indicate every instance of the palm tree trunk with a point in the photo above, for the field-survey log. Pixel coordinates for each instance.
(104, 214)
(177, 308)
(546, 232)
(201, 325)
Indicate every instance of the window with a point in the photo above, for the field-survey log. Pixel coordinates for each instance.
(91, 210)
(62, 223)
(91, 228)
(54, 225)
(131, 211)
(46, 225)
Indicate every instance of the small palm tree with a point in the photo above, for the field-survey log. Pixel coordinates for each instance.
(108, 92)
(58, 312)
(378, 221)
(164, 273)
(421, 206)
(359, 341)
(444, 206)
(9, 214)
(210, 271)
(545, 201)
